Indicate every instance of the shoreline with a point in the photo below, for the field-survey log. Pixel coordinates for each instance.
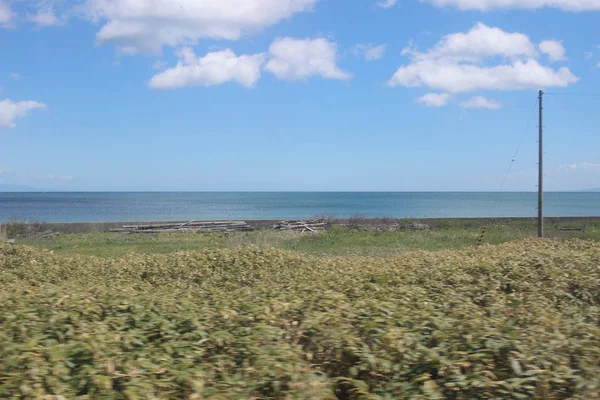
(364, 223)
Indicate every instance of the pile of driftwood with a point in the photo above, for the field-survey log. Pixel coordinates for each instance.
(301, 226)
(192, 226)
(46, 234)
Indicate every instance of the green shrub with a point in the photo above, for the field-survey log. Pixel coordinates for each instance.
(515, 321)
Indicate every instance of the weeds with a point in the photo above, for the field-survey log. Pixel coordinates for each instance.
(14, 228)
(356, 221)
(329, 219)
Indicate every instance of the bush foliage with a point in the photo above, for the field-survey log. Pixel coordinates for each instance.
(515, 321)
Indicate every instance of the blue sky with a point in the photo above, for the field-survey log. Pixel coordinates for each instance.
(323, 95)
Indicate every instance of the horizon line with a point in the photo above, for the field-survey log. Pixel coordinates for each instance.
(299, 191)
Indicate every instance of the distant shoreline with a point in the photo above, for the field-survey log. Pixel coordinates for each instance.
(367, 223)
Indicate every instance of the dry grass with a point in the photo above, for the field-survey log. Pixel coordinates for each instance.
(15, 228)
(514, 321)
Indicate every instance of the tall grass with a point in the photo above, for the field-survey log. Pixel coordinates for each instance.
(515, 321)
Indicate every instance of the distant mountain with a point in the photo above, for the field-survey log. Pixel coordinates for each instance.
(12, 188)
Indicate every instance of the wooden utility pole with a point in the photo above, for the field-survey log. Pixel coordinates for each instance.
(541, 172)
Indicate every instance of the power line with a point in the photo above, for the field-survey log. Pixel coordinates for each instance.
(512, 163)
(574, 94)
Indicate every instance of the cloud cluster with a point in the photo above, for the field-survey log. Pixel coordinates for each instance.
(147, 25)
(6, 15)
(299, 59)
(39, 12)
(10, 111)
(488, 5)
(288, 59)
(485, 58)
(213, 69)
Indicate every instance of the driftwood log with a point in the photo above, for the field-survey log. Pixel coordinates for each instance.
(191, 226)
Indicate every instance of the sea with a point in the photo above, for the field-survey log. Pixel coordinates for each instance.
(186, 206)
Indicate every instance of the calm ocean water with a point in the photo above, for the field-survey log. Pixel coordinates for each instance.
(118, 207)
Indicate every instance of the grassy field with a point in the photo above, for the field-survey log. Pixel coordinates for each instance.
(348, 314)
(514, 321)
(451, 234)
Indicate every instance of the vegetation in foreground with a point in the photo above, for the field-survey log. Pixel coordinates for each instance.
(513, 321)
(451, 234)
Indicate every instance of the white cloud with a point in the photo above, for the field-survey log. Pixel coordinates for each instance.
(387, 3)
(554, 50)
(296, 59)
(6, 15)
(45, 18)
(369, 52)
(483, 59)
(288, 59)
(10, 111)
(40, 12)
(15, 76)
(487, 5)
(159, 65)
(481, 102)
(435, 99)
(147, 25)
(589, 167)
(480, 42)
(455, 78)
(588, 55)
(213, 69)
(583, 167)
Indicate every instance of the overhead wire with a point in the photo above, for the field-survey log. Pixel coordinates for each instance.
(514, 158)
(512, 163)
(573, 94)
